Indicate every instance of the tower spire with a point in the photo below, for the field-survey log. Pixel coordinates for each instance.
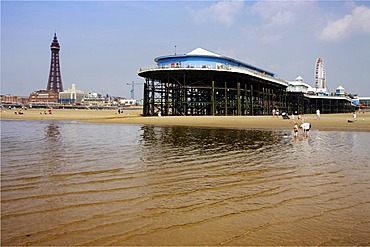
(55, 77)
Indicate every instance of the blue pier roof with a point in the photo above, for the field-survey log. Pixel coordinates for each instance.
(202, 57)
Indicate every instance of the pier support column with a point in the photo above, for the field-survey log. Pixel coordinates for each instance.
(152, 100)
(251, 104)
(213, 99)
(246, 103)
(269, 101)
(238, 100)
(146, 99)
(184, 99)
(225, 98)
(167, 103)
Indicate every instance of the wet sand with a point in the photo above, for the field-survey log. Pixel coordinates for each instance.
(328, 122)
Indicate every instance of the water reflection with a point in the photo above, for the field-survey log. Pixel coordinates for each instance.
(52, 132)
(203, 138)
(52, 150)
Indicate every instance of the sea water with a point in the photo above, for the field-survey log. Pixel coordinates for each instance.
(73, 183)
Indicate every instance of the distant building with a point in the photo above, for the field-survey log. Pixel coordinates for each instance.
(10, 99)
(131, 102)
(43, 96)
(95, 99)
(127, 102)
(72, 96)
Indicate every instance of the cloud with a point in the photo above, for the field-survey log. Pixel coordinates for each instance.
(282, 17)
(274, 21)
(356, 22)
(278, 13)
(221, 12)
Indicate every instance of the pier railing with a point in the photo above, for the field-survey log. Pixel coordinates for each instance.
(220, 67)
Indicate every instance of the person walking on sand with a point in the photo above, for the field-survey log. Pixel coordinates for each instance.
(354, 116)
(318, 114)
(306, 128)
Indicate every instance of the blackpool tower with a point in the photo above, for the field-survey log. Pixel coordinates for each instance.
(55, 77)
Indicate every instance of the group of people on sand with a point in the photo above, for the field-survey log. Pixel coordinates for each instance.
(18, 112)
(49, 111)
(275, 112)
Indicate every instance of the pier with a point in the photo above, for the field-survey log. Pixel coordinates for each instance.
(205, 83)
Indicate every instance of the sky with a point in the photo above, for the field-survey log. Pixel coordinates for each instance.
(104, 43)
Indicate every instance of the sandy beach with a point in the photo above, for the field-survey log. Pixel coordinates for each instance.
(328, 122)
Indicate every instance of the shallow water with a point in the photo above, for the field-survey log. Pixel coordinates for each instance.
(71, 183)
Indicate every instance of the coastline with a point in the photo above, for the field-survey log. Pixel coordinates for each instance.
(328, 122)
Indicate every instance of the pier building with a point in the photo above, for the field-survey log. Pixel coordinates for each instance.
(205, 83)
(304, 99)
(362, 103)
(202, 82)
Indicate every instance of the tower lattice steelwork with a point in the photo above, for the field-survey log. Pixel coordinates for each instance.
(55, 77)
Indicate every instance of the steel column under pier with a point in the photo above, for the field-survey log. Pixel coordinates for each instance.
(187, 92)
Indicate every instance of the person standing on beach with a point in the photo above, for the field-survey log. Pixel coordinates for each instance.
(295, 129)
(354, 116)
(318, 114)
(306, 128)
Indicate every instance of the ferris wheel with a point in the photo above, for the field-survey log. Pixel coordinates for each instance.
(320, 74)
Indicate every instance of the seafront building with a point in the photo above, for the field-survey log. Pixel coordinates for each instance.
(130, 102)
(72, 96)
(98, 100)
(202, 82)
(10, 100)
(43, 96)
